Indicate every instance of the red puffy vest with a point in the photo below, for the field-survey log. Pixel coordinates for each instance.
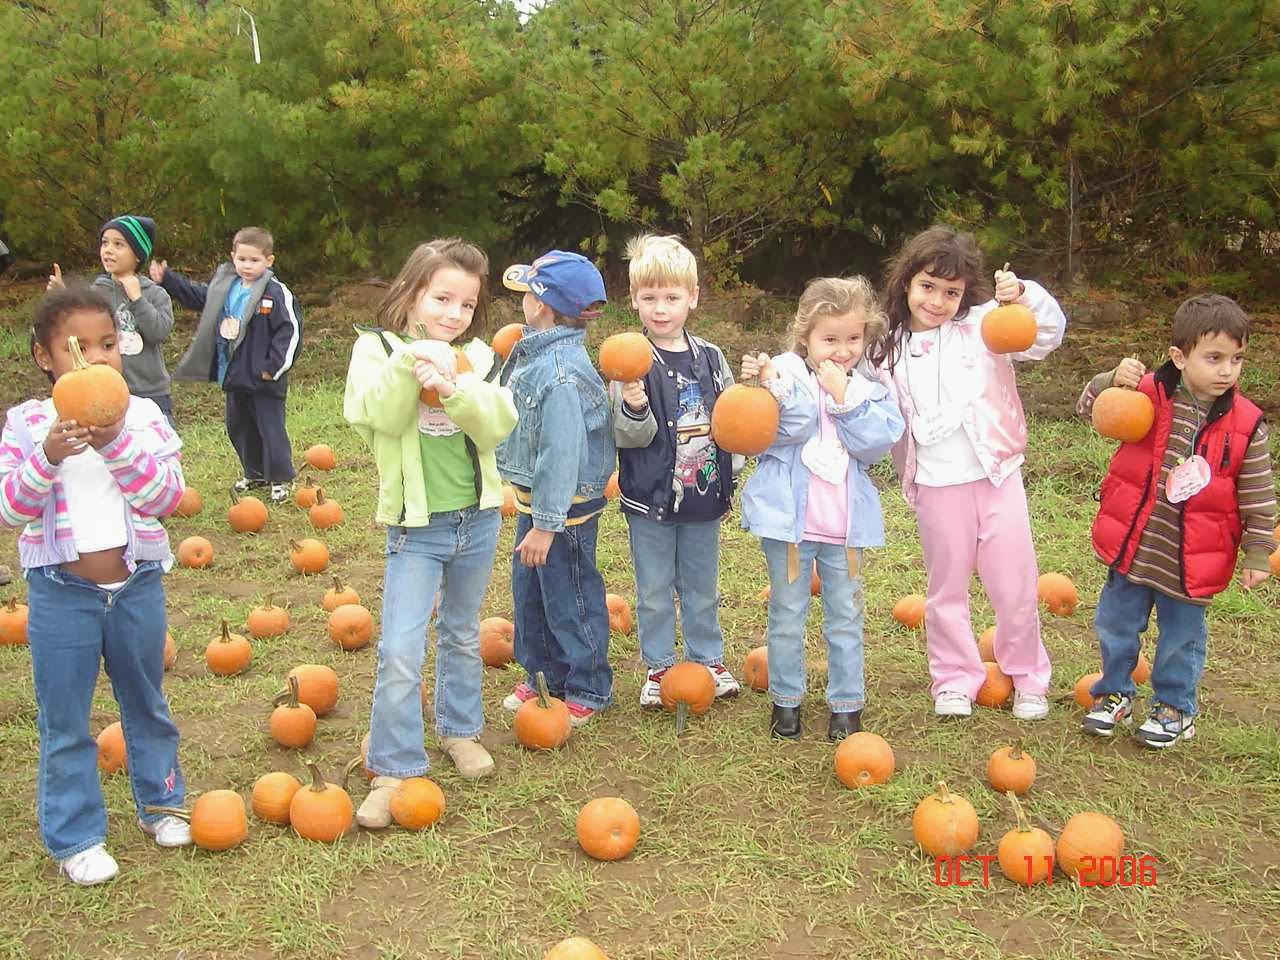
(1211, 529)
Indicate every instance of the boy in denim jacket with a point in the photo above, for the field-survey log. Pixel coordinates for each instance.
(558, 459)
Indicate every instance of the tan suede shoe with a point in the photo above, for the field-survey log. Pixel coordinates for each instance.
(469, 756)
(375, 812)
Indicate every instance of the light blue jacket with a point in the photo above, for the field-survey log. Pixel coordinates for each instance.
(562, 447)
(774, 499)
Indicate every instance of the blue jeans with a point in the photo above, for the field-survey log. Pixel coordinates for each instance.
(1124, 611)
(562, 624)
(453, 554)
(842, 611)
(671, 558)
(74, 625)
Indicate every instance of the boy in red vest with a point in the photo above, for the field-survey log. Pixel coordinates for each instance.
(1176, 506)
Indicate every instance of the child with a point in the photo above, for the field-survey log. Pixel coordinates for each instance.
(1172, 544)
(248, 338)
(558, 459)
(439, 495)
(92, 550)
(143, 310)
(677, 485)
(811, 498)
(960, 460)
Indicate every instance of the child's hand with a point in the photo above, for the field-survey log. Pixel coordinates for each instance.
(66, 438)
(132, 286)
(1128, 372)
(99, 437)
(265, 375)
(430, 378)
(758, 366)
(157, 270)
(833, 379)
(1008, 286)
(634, 396)
(55, 280)
(436, 352)
(1251, 578)
(535, 546)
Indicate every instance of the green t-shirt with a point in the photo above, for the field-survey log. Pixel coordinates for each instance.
(447, 470)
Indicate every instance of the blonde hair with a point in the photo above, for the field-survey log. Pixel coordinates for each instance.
(661, 262)
(423, 264)
(836, 297)
(257, 237)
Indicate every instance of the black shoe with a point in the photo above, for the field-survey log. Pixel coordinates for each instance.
(843, 724)
(785, 722)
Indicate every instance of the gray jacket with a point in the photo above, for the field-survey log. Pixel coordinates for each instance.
(144, 325)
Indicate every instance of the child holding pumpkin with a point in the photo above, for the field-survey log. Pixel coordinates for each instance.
(558, 459)
(811, 498)
(676, 484)
(1172, 544)
(93, 550)
(433, 421)
(960, 459)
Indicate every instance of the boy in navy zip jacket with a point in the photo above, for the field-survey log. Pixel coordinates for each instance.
(677, 485)
(249, 335)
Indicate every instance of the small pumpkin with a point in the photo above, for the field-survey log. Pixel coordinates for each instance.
(996, 689)
(91, 394)
(170, 651)
(292, 724)
(195, 553)
(112, 754)
(218, 819)
(864, 759)
(1273, 560)
(306, 495)
(945, 824)
(308, 555)
(320, 811)
(228, 653)
(1057, 593)
(608, 828)
(1088, 834)
(246, 514)
(1011, 769)
(909, 610)
(267, 620)
(755, 669)
(745, 420)
(1142, 671)
(611, 489)
(272, 794)
(508, 508)
(987, 645)
(320, 456)
(1084, 687)
(325, 513)
(317, 686)
(1123, 414)
(190, 503)
(505, 340)
(1025, 852)
(619, 613)
(430, 396)
(351, 626)
(542, 723)
(575, 948)
(497, 641)
(337, 595)
(417, 803)
(13, 623)
(689, 683)
(625, 357)
(1009, 329)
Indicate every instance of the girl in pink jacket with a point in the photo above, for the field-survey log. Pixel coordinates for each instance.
(960, 459)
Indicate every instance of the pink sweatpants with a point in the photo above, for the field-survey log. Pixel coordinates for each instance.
(980, 525)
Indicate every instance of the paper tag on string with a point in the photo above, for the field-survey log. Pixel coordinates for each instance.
(1187, 479)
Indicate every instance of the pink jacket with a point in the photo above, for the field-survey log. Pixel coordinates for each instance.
(995, 422)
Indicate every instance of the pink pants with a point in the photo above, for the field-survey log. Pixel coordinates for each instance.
(980, 524)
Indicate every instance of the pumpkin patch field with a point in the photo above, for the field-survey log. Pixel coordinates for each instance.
(747, 848)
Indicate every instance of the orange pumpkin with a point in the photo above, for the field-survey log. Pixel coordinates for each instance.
(227, 654)
(509, 508)
(292, 724)
(945, 824)
(417, 803)
(1088, 835)
(625, 357)
(218, 820)
(690, 684)
(864, 759)
(267, 620)
(755, 669)
(909, 611)
(246, 514)
(1011, 769)
(195, 553)
(320, 811)
(1009, 329)
(542, 723)
(1273, 560)
(1083, 687)
(190, 503)
(321, 457)
(91, 394)
(325, 513)
(1123, 414)
(13, 623)
(611, 489)
(1142, 672)
(505, 340)
(317, 686)
(1025, 852)
(608, 828)
(996, 689)
(308, 555)
(351, 626)
(170, 651)
(575, 948)
(1057, 593)
(272, 794)
(619, 613)
(745, 420)
(461, 365)
(987, 645)
(306, 495)
(112, 755)
(337, 595)
(497, 641)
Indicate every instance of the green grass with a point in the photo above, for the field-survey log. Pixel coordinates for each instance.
(749, 848)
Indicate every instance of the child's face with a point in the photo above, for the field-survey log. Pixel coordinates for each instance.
(98, 342)
(250, 262)
(838, 339)
(1212, 367)
(664, 310)
(117, 256)
(536, 313)
(446, 305)
(932, 301)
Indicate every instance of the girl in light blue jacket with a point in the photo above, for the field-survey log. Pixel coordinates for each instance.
(810, 498)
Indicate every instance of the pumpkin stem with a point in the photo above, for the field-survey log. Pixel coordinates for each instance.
(226, 633)
(682, 717)
(78, 362)
(943, 793)
(350, 768)
(1023, 825)
(294, 544)
(317, 778)
(235, 495)
(337, 584)
(1015, 752)
(320, 497)
(544, 695)
(170, 811)
(289, 696)
(13, 604)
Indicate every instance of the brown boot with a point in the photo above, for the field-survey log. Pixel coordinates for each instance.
(375, 812)
(469, 756)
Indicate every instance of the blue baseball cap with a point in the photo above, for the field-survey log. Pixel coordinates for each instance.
(568, 283)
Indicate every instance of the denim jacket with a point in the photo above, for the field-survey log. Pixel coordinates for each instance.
(562, 447)
(868, 424)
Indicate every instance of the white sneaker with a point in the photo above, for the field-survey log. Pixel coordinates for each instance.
(90, 867)
(651, 692)
(168, 831)
(1030, 706)
(951, 703)
(726, 685)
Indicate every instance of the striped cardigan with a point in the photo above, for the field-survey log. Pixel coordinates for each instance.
(143, 459)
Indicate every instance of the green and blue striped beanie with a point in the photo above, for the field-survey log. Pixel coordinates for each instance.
(138, 232)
